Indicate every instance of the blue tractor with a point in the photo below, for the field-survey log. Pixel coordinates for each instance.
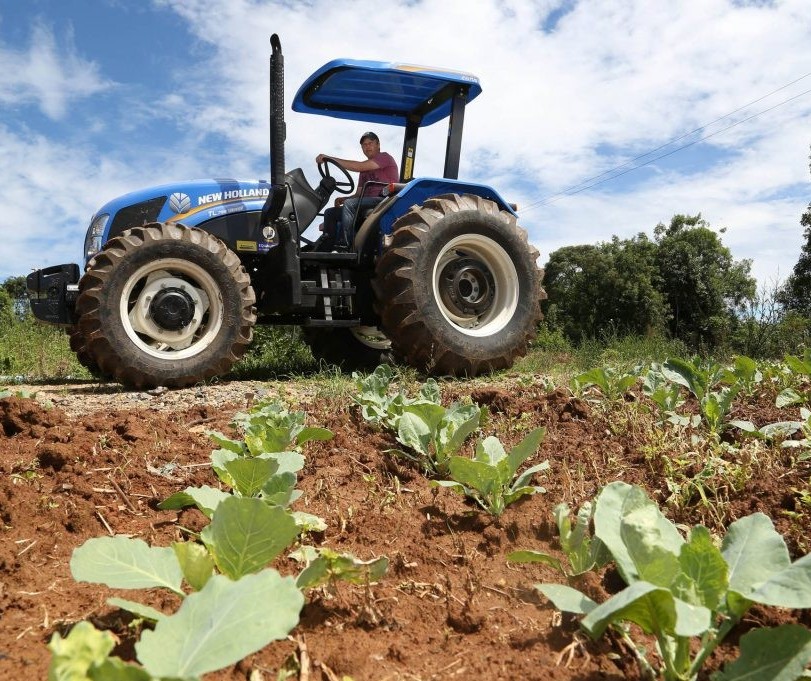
(438, 274)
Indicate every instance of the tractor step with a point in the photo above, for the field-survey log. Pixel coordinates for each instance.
(311, 256)
(320, 291)
(322, 323)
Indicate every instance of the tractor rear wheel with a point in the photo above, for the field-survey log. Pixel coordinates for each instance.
(458, 290)
(165, 305)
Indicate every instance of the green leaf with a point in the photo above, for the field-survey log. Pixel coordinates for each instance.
(220, 625)
(779, 654)
(515, 493)
(73, 656)
(456, 425)
(280, 489)
(490, 451)
(195, 562)
(288, 462)
(798, 365)
(702, 562)
(331, 566)
(114, 669)
(525, 449)
(246, 534)
(567, 599)
(653, 608)
(140, 610)
(249, 475)
(788, 397)
(754, 551)
(655, 554)
(125, 563)
(790, 588)
(235, 446)
(204, 498)
(527, 556)
(219, 459)
(476, 475)
(414, 432)
(524, 479)
(307, 522)
(313, 434)
(616, 501)
(687, 374)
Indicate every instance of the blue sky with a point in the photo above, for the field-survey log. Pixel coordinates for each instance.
(102, 97)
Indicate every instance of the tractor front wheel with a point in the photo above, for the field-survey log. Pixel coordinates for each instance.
(458, 290)
(165, 305)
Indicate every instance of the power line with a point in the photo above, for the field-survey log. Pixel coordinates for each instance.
(594, 181)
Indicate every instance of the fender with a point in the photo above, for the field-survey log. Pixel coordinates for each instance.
(381, 221)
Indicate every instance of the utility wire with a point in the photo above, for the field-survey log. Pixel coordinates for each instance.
(590, 182)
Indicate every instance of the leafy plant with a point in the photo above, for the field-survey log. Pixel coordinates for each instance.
(700, 378)
(434, 433)
(491, 477)
(269, 427)
(682, 590)
(744, 373)
(228, 617)
(663, 393)
(782, 431)
(325, 566)
(583, 551)
(610, 381)
(799, 367)
(379, 406)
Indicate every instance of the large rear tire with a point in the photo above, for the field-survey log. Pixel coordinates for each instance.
(458, 290)
(165, 305)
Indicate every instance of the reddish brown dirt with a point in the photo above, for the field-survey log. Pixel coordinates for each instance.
(450, 605)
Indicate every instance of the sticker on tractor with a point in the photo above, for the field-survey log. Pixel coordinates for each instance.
(179, 203)
(251, 246)
(232, 195)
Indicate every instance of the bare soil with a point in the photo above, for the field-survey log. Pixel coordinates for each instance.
(87, 460)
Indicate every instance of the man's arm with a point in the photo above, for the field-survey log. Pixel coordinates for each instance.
(354, 166)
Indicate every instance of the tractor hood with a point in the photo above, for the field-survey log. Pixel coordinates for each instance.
(191, 202)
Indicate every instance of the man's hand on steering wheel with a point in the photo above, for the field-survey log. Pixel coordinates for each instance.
(342, 186)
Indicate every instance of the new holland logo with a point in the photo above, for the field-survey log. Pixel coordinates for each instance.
(179, 203)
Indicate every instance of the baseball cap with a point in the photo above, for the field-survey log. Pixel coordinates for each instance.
(369, 135)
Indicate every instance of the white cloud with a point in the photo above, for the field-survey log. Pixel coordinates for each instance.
(608, 81)
(47, 75)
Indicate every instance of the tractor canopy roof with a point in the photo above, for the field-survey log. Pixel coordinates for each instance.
(384, 92)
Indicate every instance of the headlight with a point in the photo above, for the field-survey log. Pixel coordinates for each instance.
(92, 241)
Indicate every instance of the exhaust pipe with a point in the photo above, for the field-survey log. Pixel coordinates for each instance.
(278, 129)
(278, 132)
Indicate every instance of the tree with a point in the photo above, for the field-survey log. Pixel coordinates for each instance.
(6, 309)
(614, 284)
(701, 282)
(796, 293)
(17, 291)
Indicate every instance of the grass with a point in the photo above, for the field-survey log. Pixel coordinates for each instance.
(32, 352)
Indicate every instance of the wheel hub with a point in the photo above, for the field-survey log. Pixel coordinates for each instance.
(172, 309)
(467, 286)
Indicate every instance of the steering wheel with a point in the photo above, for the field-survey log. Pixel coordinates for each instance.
(343, 186)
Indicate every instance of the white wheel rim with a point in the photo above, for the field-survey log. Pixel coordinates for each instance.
(371, 337)
(163, 343)
(502, 276)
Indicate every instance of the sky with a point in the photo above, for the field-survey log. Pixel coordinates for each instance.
(102, 97)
